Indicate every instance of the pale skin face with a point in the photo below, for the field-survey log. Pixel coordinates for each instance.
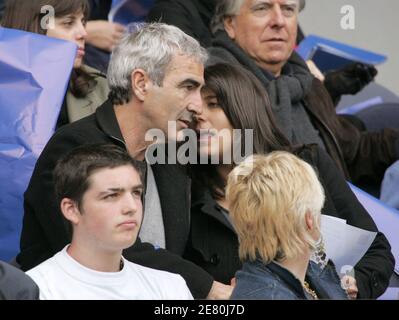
(71, 28)
(214, 128)
(178, 99)
(111, 210)
(266, 30)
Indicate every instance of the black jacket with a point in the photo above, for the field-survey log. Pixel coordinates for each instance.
(2, 6)
(191, 16)
(214, 246)
(362, 156)
(44, 232)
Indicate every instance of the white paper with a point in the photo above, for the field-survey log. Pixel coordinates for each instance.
(345, 245)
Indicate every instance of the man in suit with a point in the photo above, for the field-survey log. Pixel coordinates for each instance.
(155, 76)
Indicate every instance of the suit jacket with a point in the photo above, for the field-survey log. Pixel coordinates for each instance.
(16, 285)
(44, 231)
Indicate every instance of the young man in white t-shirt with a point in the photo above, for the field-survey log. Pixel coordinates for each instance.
(100, 192)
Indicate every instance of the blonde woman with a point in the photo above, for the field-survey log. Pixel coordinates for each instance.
(275, 207)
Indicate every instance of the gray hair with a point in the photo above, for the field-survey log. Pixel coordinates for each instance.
(227, 8)
(224, 9)
(150, 47)
(302, 4)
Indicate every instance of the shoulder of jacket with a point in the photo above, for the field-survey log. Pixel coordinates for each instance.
(93, 72)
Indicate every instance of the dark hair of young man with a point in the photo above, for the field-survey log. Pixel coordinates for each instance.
(72, 172)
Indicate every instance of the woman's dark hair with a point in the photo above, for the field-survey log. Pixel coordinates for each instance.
(246, 105)
(26, 15)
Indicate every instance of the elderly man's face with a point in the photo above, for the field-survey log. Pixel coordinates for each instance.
(266, 30)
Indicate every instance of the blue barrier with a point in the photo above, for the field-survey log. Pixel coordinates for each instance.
(34, 74)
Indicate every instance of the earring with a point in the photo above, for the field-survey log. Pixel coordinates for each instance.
(319, 255)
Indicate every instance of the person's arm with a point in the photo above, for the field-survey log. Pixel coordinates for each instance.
(103, 34)
(374, 270)
(367, 154)
(350, 79)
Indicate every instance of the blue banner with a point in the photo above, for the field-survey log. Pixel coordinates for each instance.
(34, 74)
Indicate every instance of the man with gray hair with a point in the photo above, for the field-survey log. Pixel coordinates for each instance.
(155, 76)
(260, 35)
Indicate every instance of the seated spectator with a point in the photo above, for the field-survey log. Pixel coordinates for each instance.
(16, 285)
(234, 99)
(191, 16)
(87, 88)
(261, 37)
(100, 192)
(155, 76)
(275, 204)
(194, 18)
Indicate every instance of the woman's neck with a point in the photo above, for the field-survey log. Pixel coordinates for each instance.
(297, 266)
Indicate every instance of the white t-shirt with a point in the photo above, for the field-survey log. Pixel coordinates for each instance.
(63, 278)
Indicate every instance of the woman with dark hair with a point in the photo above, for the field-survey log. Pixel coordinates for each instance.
(234, 99)
(88, 88)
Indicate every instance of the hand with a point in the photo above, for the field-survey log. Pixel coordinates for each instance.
(104, 34)
(349, 80)
(348, 283)
(220, 291)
